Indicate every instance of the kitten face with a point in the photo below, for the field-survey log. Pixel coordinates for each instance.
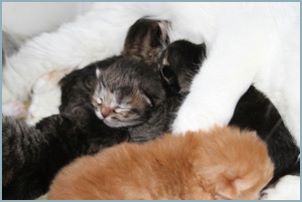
(119, 107)
(179, 64)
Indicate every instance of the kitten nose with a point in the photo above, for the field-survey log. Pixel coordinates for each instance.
(105, 111)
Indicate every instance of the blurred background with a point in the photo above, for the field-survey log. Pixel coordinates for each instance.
(27, 19)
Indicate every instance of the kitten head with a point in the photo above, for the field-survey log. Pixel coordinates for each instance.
(235, 164)
(179, 63)
(146, 39)
(126, 93)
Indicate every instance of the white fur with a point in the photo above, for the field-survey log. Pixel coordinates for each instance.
(247, 43)
(46, 96)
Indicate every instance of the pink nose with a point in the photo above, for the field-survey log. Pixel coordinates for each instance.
(106, 111)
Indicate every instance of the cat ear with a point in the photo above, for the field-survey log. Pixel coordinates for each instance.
(170, 78)
(226, 190)
(231, 189)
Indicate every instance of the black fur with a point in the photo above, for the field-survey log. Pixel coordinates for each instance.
(254, 111)
(39, 152)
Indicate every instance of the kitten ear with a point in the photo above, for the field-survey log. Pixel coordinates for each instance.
(231, 189)
(226, 190)
(170, 78)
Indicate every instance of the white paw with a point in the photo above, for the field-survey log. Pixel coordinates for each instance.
(287, 188)
(14, 108)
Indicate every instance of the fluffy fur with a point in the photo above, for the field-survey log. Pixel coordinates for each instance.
(248, 43)
(45, 96)
(195, 166)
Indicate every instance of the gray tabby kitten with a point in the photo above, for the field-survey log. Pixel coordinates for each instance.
(125, 91)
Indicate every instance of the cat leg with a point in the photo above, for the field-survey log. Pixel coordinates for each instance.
(46, 96)
(287, 188)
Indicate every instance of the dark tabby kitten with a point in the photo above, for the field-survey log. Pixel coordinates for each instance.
(181, 61)
(33, 155)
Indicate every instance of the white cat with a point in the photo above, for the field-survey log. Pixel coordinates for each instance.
(247, 43)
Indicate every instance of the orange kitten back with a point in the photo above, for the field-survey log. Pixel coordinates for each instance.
(224, 163)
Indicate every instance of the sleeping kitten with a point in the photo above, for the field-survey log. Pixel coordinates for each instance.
(126, 90)
(219, 164)
(120, 93)
(32, 155)
(181, 61)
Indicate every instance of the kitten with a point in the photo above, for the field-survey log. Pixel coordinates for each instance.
(126, 90)
(120, 93)
(179, 64)
(32, 155)
(198, 165)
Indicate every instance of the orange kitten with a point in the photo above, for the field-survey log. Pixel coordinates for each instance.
(224, 163)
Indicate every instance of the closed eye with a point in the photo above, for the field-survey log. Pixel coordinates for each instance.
(99, 101)
(119, 110)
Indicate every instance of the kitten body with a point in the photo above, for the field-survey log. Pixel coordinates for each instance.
(41, 150)
(195, 166)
